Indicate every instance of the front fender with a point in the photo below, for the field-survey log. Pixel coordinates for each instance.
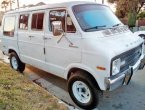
(89, 70)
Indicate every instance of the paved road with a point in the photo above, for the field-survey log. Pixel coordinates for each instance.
(131, 97)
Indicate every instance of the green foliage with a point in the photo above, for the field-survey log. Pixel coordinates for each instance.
(141, 15)
(128, 9)
(131, 19)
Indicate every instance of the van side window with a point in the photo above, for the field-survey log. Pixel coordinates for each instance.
(37, 21)
(57, 15)
(9, 26)
(60, 15)
(23, 22)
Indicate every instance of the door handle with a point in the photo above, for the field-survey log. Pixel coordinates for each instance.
(31, 36)
(46, 38)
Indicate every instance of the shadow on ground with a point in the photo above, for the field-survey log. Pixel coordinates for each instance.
(129, 97)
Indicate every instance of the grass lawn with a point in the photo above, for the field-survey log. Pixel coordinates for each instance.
(18, 93)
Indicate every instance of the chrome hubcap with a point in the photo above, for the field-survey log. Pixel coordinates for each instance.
(14, 63)
(81, 92)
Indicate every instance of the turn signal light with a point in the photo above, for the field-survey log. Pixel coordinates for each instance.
(101, 68)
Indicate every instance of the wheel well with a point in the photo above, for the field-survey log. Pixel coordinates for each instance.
(85, 72)
(141, 35)
(11, 50)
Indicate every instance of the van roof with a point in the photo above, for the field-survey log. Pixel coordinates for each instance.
(56, 5)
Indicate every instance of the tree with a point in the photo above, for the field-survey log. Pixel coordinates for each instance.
(11, 2)
(128, 9)
(18, 4)
(125, 6)
(141, 15)
(4, 4)
(1, 16)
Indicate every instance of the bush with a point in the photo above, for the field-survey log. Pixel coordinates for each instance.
(141, 15)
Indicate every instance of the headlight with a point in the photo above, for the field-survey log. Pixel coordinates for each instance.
(116, 66)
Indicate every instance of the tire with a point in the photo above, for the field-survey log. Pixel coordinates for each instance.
(88, 101)
(15, 63)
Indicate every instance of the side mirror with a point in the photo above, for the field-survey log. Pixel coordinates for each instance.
(57, 28)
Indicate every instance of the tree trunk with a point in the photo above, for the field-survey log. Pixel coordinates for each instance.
(10, 2)
(18, 4)
(5, 8)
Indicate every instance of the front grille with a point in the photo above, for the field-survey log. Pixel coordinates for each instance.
(131, 57)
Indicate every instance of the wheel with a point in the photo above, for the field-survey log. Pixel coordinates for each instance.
(82, 91)
(15, 62)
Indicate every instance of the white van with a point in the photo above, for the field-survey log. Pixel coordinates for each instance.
(82, 42)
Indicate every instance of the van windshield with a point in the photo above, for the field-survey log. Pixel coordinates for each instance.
(93, 17)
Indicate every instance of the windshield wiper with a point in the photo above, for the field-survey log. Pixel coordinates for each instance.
(95, 27)
(116, 25)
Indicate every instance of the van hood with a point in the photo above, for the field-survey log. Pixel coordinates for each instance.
(113, 44)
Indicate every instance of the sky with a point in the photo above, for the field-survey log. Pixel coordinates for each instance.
(26, 2)
(51, 1)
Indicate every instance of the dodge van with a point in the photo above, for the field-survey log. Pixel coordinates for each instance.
(82, 42)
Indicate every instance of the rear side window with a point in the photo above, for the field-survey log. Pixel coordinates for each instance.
(23, 22)
(37, 21)
(9, 26)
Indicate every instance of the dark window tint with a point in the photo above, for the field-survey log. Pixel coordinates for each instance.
(34, 21)
(37, 21)
(23, 21)
(70, 26)
(9, 26)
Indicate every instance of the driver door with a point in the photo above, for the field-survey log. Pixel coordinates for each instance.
(60, 55)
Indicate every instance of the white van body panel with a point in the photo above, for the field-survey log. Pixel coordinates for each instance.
(89, 50)
(10, 43)
(108, 45)
(98, 49)
(57, 53)
(32, 40)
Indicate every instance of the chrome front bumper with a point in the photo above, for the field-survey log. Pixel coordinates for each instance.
(124, 77)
